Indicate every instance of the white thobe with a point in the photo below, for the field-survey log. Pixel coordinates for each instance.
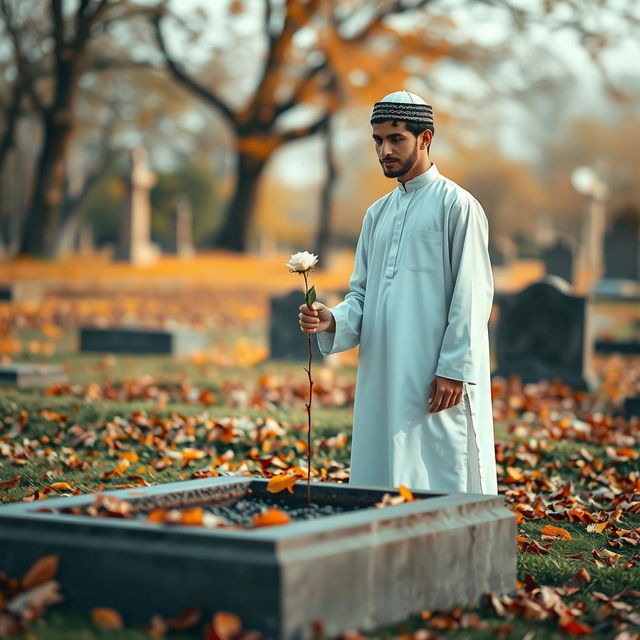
(419, 303)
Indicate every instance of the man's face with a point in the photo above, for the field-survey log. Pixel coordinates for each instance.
(396, 147)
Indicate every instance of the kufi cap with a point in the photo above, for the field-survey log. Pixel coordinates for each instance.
(403, 105)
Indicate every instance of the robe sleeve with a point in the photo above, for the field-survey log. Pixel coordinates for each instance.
(462, 353)
(348, 314)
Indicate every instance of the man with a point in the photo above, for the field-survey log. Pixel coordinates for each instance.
(419, 303)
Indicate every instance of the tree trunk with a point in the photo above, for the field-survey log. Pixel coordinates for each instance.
(41, 223)
(233, 234)
(323, 234)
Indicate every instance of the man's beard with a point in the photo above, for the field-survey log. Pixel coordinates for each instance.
(396, 173)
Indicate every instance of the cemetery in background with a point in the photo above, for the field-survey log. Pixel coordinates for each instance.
(159, 162)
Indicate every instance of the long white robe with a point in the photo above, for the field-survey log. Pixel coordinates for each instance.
(419, 303)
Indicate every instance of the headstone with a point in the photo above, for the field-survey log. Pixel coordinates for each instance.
(622, 247)
(27, 374)
(86, 244)
(632, 407)
(558, 260)
(180, 240)
(24, 291)
(175, 342)
(362, 568)
(286, 341)
(542, 334)
(135, 233)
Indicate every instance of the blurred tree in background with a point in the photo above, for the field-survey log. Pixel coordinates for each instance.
(227, 85)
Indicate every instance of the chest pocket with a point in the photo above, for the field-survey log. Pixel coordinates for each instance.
(423, 250)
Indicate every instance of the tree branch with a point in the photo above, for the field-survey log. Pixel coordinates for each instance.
(187, 81)
(24, 68)
(303, 132)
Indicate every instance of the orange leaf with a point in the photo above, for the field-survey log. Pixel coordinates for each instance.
(406, 493)
(597, 527)
(556, 532)
(105, 618)
(226, 625)
(574, 627)
(270, 518)
(280, 483)
(157, 515)
(192, 516)
(42, 571)
(9, 484)
(61, 486)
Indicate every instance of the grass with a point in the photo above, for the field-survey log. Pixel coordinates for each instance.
(553, 569)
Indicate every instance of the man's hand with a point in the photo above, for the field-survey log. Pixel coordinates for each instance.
(316, 319)
(444, 394)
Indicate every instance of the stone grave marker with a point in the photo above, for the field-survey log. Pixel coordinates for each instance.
(135, 232)
(362, 567)
(286, 340)
(543, 333)
(27, 374)
(622, 247)
(559, 259)
(632, 407)
(175, 342)
(180, 240)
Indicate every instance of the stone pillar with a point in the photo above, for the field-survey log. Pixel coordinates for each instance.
(181, 239)
(135, 234)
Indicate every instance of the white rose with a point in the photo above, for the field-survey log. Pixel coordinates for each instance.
(303, 261)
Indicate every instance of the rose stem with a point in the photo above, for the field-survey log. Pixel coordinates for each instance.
(308, 405)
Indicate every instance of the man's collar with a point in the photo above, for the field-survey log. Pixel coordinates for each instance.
(420, 181)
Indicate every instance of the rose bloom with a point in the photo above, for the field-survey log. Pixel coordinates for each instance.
(302, 261)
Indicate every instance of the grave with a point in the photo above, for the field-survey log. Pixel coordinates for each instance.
(27, 374)
(286, 341)
(622, 246)
(558, 260)
(362, 568)
(175, 342)
(543, 333)
(135, 244)
(180, 239)
(632, 407)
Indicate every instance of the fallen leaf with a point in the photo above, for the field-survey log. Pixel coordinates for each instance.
(10, 484)
(43, 570)
(105, 618)
(226, 625)
(282, 482)
(406, 493)
(271, 517)
(555, 532)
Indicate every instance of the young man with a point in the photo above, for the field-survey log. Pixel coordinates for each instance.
(419, 303)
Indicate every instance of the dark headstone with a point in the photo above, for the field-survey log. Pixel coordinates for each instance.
(286, 341)
(136, 340)
(362, 568)
(622, 246)
(542, 335)
(623, 347)
(27, 374)
(180, 239)
(632, 407)
(558, 260)
(496, 256)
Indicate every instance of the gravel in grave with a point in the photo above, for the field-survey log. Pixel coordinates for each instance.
(243, 511)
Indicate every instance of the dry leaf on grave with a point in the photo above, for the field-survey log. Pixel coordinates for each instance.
(105, 618)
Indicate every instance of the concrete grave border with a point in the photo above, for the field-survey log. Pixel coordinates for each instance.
(359, 569)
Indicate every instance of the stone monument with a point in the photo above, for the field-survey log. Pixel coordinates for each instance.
(135, 233)
(558, 260)
(543, 334)
(622, 246)
(181, 237)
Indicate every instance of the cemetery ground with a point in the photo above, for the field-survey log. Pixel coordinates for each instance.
(568, 463)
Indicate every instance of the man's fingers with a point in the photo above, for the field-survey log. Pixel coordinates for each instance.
(313, 312)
